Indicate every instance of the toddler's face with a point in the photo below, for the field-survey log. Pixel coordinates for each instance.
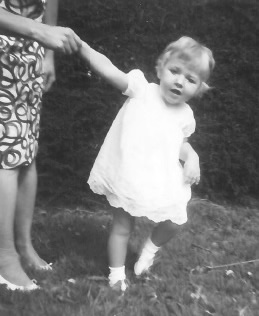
(179, 81)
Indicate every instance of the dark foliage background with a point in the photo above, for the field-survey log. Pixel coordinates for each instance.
(79, 110)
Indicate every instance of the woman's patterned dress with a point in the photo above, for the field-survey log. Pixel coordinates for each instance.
(21, 84)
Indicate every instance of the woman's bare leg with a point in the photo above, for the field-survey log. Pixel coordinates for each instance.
(27, 188)
(10, 267)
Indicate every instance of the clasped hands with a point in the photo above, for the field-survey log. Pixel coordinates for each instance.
(58, 38)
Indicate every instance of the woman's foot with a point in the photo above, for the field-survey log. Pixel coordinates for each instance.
(13, 275)
(13, 287)
(30, 258)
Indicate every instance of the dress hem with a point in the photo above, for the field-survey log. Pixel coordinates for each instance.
(135, 211)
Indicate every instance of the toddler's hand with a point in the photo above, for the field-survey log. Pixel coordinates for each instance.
(191, 172)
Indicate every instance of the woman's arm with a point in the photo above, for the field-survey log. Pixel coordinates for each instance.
(15, 25)
(101, 65)
(50, 18)
(191, 163)
(52, 37)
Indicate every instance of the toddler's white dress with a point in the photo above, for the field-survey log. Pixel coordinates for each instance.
(138, 165)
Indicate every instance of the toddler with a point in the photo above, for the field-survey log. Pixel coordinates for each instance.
(138, 167)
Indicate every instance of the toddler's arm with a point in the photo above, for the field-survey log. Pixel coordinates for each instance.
(191, 164)
(104, 67)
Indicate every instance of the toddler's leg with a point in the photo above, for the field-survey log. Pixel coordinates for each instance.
(27, 187)
(117, 246)
(161, 234)
(164, 232)
(10, 267)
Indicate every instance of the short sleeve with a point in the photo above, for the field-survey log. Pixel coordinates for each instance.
(190, 124)
(137, 84)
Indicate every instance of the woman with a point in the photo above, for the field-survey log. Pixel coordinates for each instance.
(26, 70)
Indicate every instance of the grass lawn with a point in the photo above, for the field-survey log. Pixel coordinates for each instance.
(75, 241)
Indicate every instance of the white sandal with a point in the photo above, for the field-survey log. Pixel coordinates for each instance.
(13, 287)
(47, 267)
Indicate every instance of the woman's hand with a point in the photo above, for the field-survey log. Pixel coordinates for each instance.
(49, 70)
(57, 38)
(62, 39)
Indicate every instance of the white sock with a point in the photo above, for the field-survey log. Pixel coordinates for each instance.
(146, 258)
(150, 249)
(116, 274)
